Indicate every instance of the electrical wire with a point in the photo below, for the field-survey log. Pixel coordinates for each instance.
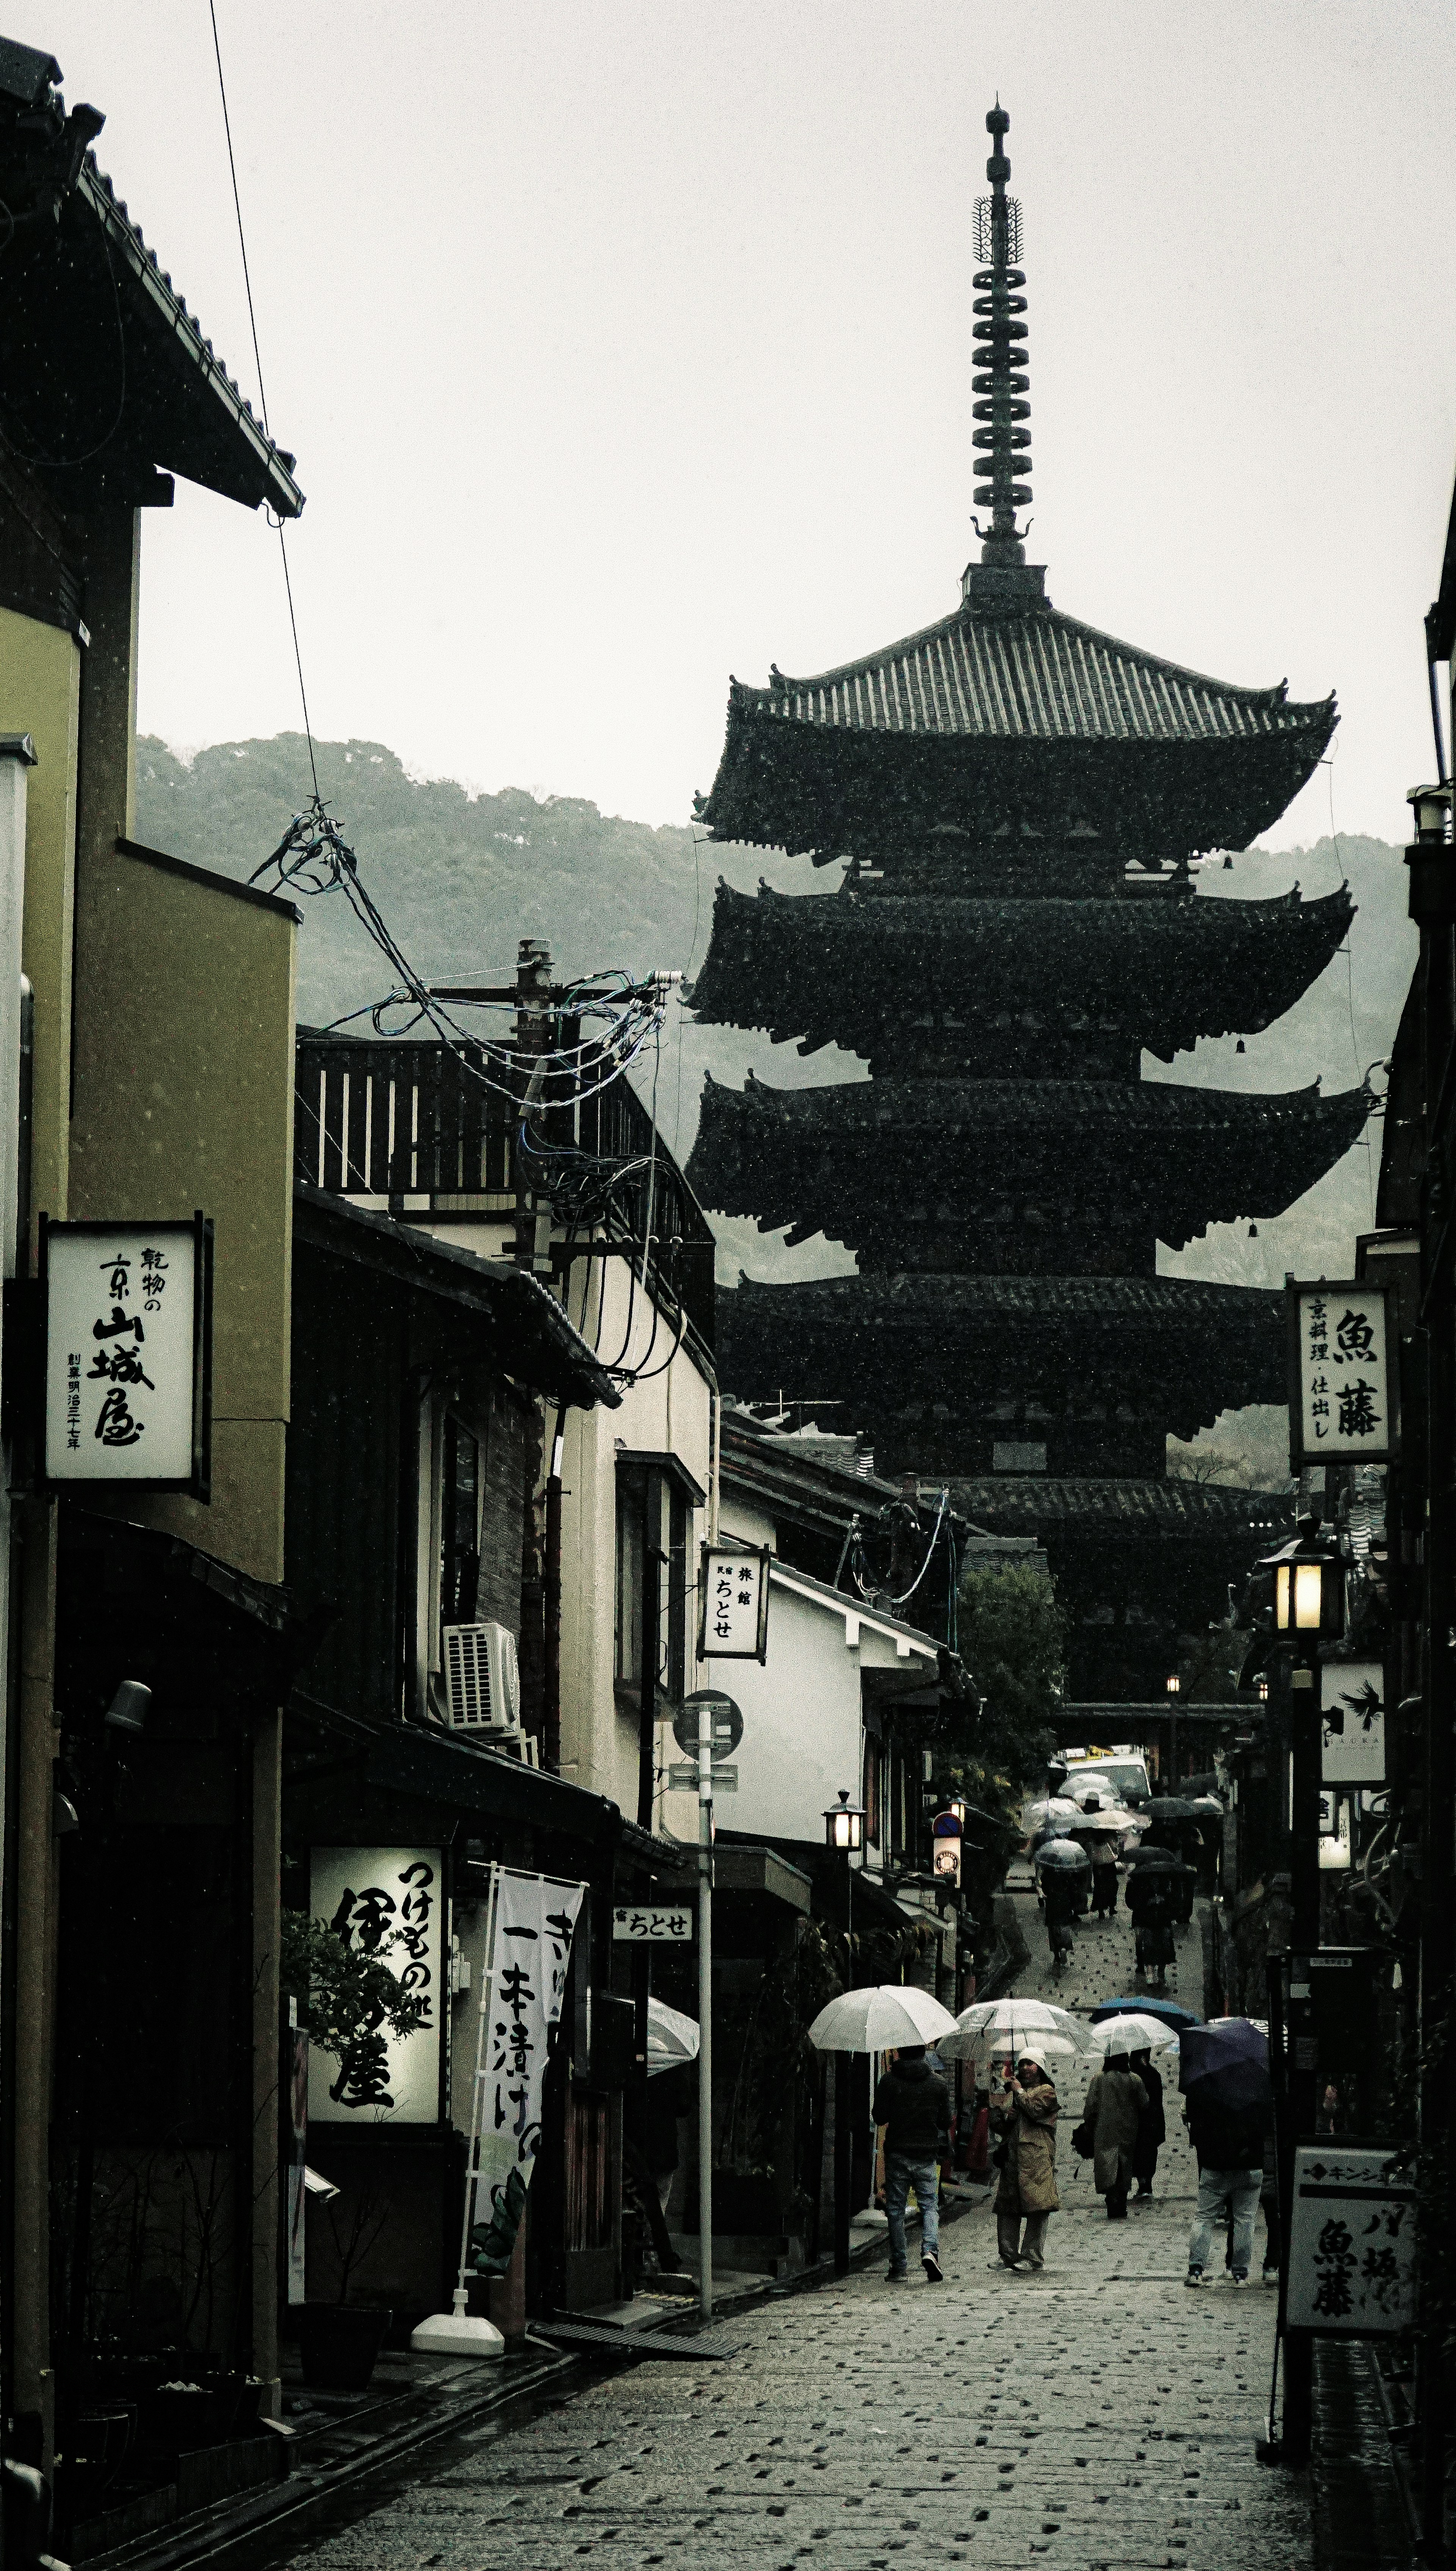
(907, 1594)
(313, 858)
(262, 390)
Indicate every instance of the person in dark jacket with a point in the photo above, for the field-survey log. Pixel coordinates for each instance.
(1152, 2126)
(1229, 2142)
(912, 2113)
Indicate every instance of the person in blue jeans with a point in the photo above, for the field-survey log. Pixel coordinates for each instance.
(912, 2114)
(1229, 2142)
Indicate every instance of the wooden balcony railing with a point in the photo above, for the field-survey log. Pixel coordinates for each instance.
(401, 1125)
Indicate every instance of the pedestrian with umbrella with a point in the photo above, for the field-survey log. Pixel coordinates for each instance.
(1115, 2107)
(1156, 1899)
(1062, 1872)
(1135, 2037)
(1224, 2073)
(1102, 1847)
(1024, 2114)
(915, 2127)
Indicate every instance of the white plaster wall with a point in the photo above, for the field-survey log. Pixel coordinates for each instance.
(669, 1414)
(801, 1711)
(751, 1526)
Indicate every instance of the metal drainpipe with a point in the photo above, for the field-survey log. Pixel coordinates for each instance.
(551, 1675)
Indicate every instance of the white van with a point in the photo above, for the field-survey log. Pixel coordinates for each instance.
(1122, 1775)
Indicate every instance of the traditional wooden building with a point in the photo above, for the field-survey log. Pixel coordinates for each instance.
(1018, 803)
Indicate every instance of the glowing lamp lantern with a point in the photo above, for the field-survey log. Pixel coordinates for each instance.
(1308, 1593)
(845, 1824)
(1173, 1685)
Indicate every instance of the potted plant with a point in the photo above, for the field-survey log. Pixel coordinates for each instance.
(350, 2002)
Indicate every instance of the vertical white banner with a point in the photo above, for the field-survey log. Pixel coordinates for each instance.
(530, 1956)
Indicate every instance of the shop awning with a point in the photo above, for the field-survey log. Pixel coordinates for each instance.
(411, 1759)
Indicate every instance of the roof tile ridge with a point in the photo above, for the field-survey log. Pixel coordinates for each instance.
(1275, 695)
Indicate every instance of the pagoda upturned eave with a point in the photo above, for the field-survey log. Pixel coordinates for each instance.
(985, 1166)
(955, 727)
(938, 1369)
(888, 974)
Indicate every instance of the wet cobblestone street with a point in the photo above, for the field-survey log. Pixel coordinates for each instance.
(1098, 2414)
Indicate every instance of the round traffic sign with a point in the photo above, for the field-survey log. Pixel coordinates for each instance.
(728, 1724)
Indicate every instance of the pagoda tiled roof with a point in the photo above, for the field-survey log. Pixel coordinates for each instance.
(885, 974)
(1151, 1160)
(934, 1366)
(1043, 676)
(1027, 722)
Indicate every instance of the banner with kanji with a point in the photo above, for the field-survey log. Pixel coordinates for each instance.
(535, 1921)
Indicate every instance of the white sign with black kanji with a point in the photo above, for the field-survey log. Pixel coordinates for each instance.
(1353, 2240)
(734, 1622)
(1341, 1392)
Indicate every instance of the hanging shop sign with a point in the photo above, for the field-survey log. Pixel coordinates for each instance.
(1352, 1733)
(732, 1615)
(128, 1340)
(1353, 2242)
(522, 1996)
(653, 1923)
(386, 1903)
(1341, 1384)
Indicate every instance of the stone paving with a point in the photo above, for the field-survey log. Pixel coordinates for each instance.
(1097, 2415)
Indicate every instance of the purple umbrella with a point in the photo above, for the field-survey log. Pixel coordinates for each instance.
(1227, 2062)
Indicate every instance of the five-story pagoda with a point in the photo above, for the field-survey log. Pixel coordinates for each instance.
(1018, 803)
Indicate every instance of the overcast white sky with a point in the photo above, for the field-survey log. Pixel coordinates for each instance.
(626, 346)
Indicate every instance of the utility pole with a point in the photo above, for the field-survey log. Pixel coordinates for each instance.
(705, 2005)
(535, 1042)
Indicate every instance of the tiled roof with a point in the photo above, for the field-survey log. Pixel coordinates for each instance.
(934, 1303)
(1038, 677)
(1168, 1108)
(881, 973)
(1014, 1505)
(277, 481)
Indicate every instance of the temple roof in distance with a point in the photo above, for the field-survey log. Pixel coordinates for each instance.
(1132, 1505)
(883, 972)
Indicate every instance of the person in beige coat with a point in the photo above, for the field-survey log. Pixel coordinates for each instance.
(1116, 2100)
(1024, 2115)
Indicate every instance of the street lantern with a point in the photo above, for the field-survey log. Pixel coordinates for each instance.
(1263, 1691)
(845, 1824)
(1173, 1685)
(1430, 806)
(1308, 1589)
(1429, 858)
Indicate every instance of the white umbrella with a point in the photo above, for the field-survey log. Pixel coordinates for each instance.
(1130, 2033)
(671, 2038)
(874, 2020)
(1015, 2026)
(1114, 1817)
(1047, 1807)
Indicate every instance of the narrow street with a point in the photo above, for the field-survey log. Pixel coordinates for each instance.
(1100, 2414)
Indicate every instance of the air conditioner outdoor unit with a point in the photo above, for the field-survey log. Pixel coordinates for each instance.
(482, 1681)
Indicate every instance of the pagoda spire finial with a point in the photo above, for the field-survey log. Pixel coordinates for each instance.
(1002, 437)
